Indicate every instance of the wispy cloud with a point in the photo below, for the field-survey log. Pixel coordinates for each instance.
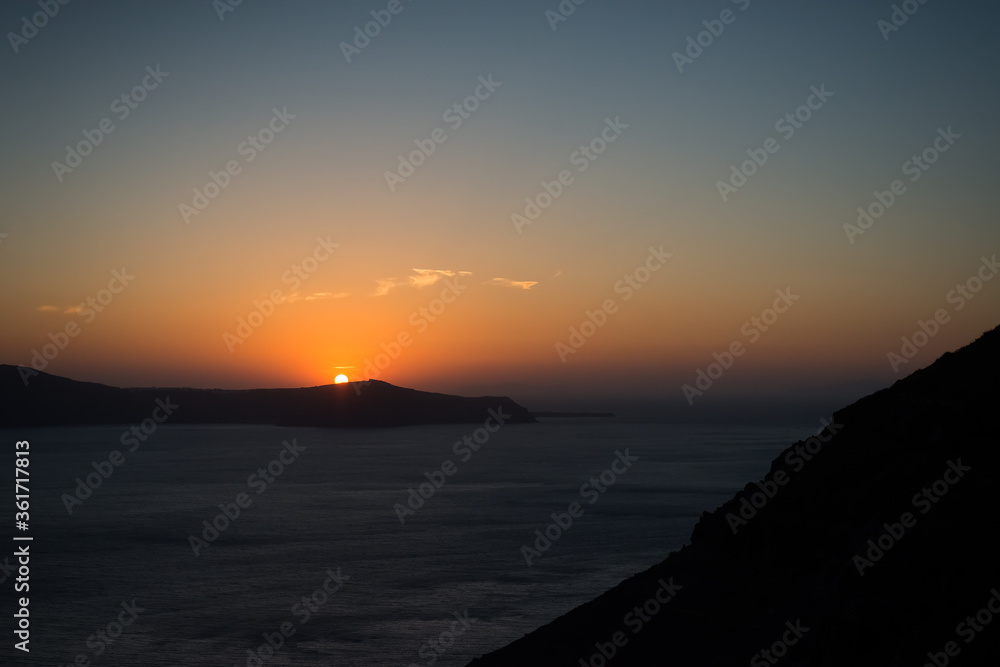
(384, 285)
(427, 277)
(316, 296)
(68, 310)
(423, 278)
(507, 282)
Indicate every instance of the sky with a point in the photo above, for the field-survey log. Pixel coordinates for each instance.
(576, 205)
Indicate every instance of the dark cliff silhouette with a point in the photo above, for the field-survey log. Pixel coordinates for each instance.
(879, 549)
(49, 400)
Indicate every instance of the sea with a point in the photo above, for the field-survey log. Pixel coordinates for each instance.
(258, 545)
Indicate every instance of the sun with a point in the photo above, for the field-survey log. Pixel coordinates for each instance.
(340, 379)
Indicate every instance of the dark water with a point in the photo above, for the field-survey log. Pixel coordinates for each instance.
(330, 510)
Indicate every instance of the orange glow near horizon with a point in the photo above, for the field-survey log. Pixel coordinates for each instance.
(191, 332)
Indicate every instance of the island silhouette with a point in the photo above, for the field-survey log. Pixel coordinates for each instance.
(50, 400)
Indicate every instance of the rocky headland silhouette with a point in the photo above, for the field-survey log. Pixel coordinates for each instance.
(873, 543)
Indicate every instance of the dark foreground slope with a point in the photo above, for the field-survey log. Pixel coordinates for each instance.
(49, 400)
(877, 551)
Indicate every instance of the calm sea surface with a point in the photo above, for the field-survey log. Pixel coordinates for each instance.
(329, 510)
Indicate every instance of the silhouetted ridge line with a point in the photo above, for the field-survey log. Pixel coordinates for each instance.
(49, 400)
(876, 550)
